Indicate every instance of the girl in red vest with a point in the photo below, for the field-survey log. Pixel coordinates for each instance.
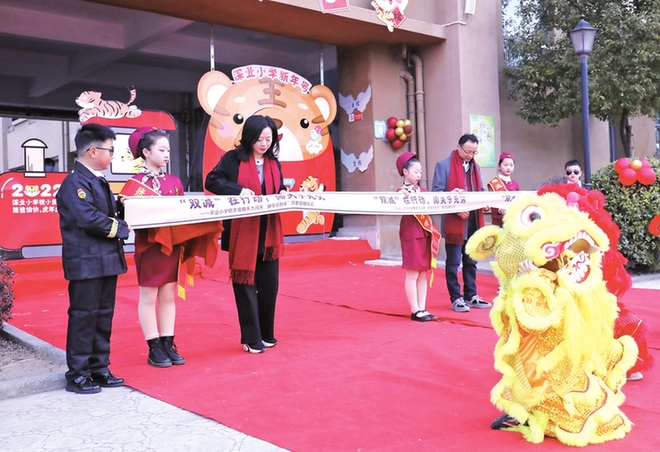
(157, 272)
(503, 182)
(419, 241)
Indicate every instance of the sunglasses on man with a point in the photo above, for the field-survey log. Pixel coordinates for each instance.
(575, 171)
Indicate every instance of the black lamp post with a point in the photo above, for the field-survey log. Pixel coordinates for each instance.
(582, 37)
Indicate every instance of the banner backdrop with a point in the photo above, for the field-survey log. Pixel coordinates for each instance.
(154, 211)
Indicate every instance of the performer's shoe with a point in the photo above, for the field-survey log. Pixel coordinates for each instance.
(83, 385)
(635, 376)
(503, 422)
(478, 303)
(254, 348)
(421, 316)
(270, 343)
(108, 380)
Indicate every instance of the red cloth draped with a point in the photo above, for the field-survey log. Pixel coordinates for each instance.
(195, 239)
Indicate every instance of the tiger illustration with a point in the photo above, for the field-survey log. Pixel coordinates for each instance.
(92, 105)
(313, 185)
(31, 190)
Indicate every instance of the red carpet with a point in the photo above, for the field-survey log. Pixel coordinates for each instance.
(351, 372)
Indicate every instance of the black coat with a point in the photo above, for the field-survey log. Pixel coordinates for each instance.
(92, 234)
(222, 181)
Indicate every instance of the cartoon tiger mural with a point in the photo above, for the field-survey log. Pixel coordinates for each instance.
(92, 105)
(302, 112)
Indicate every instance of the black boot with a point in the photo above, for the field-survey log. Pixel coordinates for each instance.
(171, 350)
(157, 354)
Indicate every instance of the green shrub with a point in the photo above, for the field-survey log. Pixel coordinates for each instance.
(6, 292)
(632, 209)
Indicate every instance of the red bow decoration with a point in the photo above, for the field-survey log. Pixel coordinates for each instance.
(635, 170)
(398, 132)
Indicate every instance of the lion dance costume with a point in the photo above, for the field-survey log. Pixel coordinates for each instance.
(562, 368)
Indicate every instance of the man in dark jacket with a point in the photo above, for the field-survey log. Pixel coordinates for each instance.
(459, 173)
(92, 257)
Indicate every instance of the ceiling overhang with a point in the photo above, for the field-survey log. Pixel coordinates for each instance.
(300, 19)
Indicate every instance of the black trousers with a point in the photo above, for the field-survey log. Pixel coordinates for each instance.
(91, 308)
(256, 303)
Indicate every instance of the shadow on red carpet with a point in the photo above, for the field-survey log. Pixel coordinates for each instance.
(351, 371)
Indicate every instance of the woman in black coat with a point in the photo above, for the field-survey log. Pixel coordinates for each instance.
(254, 243)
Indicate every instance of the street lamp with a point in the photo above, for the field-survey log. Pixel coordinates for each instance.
(583, 36)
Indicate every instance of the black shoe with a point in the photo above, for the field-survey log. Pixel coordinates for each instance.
(431, 316)
(157, 355)
(254, 348)
(421, 316)
(270, 343)
(503, 422)
(108, 380)
(172, 350)
(83, 385)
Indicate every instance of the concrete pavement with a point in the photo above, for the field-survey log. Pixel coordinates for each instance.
(117, 419)
(40, 416)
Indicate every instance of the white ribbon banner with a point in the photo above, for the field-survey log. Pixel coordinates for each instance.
(154, 211)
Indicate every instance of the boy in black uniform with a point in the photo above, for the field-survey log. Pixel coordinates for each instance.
(92, 257)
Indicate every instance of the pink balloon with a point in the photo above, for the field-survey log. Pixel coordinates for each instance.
(627, 176)
(621, 164)
(646, 176)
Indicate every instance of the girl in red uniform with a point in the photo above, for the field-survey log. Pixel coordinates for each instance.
(503, 182)
(157, 272)
(419, 241)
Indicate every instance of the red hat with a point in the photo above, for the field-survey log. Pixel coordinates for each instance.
(402, 160)
(506, 155)
(135, 138)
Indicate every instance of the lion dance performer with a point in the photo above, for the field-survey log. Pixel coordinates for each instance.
(617, 279)
(562, 368)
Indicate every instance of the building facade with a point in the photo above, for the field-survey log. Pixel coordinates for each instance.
(439, 67)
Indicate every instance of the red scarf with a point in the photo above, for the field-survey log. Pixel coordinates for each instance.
(244, 238)
(455, 225)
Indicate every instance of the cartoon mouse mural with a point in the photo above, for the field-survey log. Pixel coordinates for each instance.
(302, 112)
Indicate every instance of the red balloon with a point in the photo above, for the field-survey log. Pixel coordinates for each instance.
(390, 134)
(627, 176)
(407, 129)
(397, 144)
(621, 164)
(646, 176)
(654, 226)
(391, 122)
(645, 163)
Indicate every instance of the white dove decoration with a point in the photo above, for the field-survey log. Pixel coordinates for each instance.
(350, 104)
(362, 162)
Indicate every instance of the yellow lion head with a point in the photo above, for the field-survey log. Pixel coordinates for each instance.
(553, 235)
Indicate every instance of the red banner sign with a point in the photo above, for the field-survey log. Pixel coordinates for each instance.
(28, 210)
